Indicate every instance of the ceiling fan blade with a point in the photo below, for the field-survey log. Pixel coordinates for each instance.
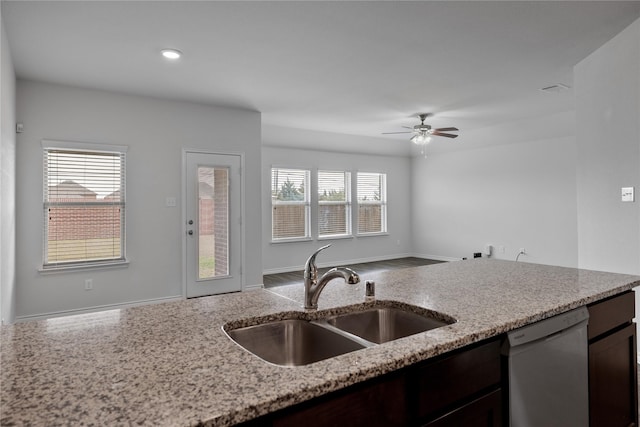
(391, 133)
(445, 129)
(406, 127)
(446, 135)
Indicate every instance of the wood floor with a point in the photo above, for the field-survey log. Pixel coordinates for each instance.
(293, 277)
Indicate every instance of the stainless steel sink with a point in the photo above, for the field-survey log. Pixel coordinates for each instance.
(383, 324)
(304, 338)
(292, 342)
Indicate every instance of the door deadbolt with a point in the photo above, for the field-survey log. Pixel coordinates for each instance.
(190, 222)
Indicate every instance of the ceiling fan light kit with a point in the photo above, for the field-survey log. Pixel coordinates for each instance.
(421, 139)
(422, 133)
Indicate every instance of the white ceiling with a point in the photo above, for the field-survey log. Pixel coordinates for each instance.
(360, 68)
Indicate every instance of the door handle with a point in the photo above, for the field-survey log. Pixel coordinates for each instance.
(190, 232)
(190, 222)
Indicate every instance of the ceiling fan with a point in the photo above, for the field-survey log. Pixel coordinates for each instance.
(422, 133)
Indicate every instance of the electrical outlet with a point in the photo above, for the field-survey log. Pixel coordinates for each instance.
(88, 284)
(522, 251)
(477, 254)
(488, 249)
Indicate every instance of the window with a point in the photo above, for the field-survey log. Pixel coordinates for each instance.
(334, 203)
(290, 204)
(84, 204)
(372, 203)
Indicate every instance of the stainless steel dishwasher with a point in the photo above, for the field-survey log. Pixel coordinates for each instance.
(548, 372)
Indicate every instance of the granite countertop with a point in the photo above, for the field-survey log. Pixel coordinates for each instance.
(171, 364)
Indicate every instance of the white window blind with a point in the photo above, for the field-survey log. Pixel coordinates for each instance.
(290, 206)
(84, 205)
(334, 203)
(372, 202)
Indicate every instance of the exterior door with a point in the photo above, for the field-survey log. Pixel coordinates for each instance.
(213, 215)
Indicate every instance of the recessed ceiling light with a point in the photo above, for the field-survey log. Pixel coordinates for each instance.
(171, 53)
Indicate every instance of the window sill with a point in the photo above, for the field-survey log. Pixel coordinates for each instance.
(336, 237)
(372, 234)
(294, 240)
(83, 267)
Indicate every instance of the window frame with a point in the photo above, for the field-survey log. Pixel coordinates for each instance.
(382, 203)
(119, 151)
(346, 176)
(306, 202)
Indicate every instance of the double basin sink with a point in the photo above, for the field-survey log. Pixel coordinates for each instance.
(299, 338)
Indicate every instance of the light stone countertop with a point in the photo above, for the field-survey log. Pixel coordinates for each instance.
(171, 364)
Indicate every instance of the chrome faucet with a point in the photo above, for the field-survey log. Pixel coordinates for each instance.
(313, 286)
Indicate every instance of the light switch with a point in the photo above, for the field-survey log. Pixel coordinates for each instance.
(170, 202)
(627, 194)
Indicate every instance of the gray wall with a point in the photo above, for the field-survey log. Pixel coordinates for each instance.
(279, 257)
(523, 193)
(511, 196)
(7, 180)
(607, 85)
(559, 198)
(155, 131)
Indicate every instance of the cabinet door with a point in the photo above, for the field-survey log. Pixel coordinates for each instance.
(483, 412)
(613, 397)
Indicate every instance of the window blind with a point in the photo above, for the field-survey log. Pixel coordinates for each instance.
(372, 202)
(334, 203)
(290, 207)
(84, 206)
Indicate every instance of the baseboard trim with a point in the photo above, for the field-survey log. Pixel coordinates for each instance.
(344, 263)
(436, 257)
(21, 319)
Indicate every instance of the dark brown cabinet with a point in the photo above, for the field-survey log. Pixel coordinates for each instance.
(613, 395)
(374, 403)
(458, 388)
(484, 411)
(461, 386)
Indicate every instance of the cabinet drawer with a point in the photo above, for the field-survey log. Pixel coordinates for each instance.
(459, 376)
(378, 403)
(611, 313)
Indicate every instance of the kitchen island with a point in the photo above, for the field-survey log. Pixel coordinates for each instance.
(172, 364)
